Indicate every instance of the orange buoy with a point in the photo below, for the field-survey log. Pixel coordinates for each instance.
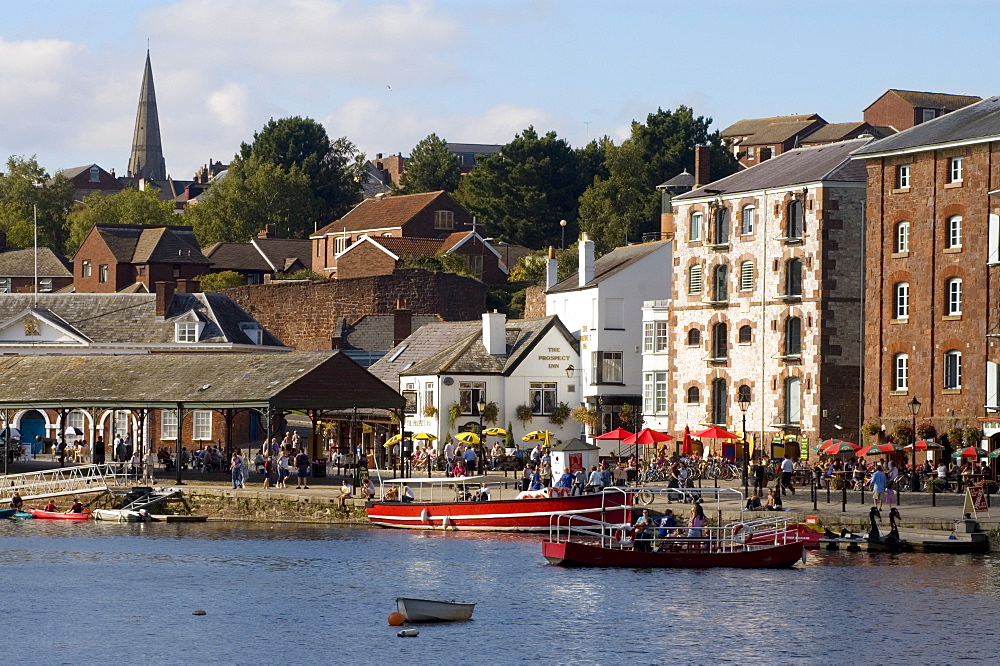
(396, 619)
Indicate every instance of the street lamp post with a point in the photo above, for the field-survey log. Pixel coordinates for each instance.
(743, 400)
(482, 408)
(914, 406)
(562, 223)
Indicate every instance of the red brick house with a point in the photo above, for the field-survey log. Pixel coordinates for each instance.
(92, 179)
(903, 109)
(754, 140)
(931, 325)
(17, 269)
(376, 233)
(133, 257)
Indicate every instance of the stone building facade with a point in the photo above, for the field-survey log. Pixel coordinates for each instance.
(767, 300)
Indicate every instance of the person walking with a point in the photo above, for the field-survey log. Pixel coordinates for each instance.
(135, 466)
(236, 469)
(302, 469)
(283, 470)
(267, 469)
(148, 463)
(99, 450)
(787, 467)
(878, 483)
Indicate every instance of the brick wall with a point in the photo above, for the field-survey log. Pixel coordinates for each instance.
(363, 261)
(534, 303)
(304, 314)
(891, 110)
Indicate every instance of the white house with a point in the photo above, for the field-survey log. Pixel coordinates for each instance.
(655, 364)
(602, 306)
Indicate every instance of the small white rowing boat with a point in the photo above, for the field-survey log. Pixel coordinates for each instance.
(121, 515)
(428, 610)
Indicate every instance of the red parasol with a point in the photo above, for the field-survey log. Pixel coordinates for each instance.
(716, 432)
(617, 434)
(834, 446)
(647, 436)
(686, 448)
(968, 452)
(877, 449)
(923, 445)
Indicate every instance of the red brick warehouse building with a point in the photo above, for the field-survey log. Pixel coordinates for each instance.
(931, 325)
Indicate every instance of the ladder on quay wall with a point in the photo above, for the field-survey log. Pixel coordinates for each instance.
(152, 498)
(76, 480)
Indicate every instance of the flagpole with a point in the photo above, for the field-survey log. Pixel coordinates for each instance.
(35, 209)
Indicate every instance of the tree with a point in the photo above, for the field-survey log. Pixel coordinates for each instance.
(523, 191)
(25, 186)
(430, 167)
(334, 169)
(129, 206)
(253, 194)
(221, 280)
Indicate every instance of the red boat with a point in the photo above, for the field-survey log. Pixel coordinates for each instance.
(752, 534)
(529, 511)
(56, 515)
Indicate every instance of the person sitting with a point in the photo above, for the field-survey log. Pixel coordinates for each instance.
(369, 490)
(459, 469)
(392, 493)
(536, 481)
(51, 506)
(753, 503)
(773, 501)
(76, 507)
(667, 524)
(407, 495)
(482, 494)
(642, 524)
(16, 502)
(345, 491)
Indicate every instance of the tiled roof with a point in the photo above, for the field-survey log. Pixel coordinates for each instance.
(613, 262)
(21, 263)
(376, 332)
(979, 121)
(130, 319)
(779, 132)
(929, 100)
(753, 125)
(382, 212)
(283, 252)
(425, 342)
(409, 247)
(844, 131)
(138, 244)
(296, 380)
(454, 239)
(235, 257)
(827, 162)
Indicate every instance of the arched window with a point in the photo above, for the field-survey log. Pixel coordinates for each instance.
(694, 227)
(793, 277)
(793, 336)
(796, 226)
(746, 276)
(901, 300)
(693, 395)
(694, 279)
(721, 283)
(953, 369)
(901, 372)
(953, 232)
(953, 297)
(720, 402)
(743, 394)
(745, 335)
(747, 220)
(720, 345)
(903, 237)
(722, 226)
(793, 401)
(694, 337)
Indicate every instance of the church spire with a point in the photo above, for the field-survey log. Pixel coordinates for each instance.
(146, 160)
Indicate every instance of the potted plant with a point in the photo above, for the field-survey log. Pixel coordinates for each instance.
(627, 413)
(955, 438)
(559, 413)
(971, 436)
(491, 413)
(523, 414)
(454, 411)
(430, 411)
(902, 434)
(587, 417)
(509, 439)
(926, 430)
(871, 429)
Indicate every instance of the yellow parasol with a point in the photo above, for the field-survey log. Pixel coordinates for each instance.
(395, 439)
(537, 436)
(425, 436)
(468, 437)
(495, 432)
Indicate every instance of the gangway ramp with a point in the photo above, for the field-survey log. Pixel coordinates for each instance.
(76, 480)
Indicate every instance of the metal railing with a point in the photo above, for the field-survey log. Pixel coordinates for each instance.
(75, 480)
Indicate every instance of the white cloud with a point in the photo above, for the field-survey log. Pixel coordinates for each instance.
(229, 104)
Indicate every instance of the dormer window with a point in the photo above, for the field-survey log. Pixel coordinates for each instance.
(444, 219)
(188, 331)
(45, 285)
(5, 285)
(253, 331)
(95, 174)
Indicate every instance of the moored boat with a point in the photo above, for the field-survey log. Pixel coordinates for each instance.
(56, 515)
(121, 515)
(7, 513)
(429, 610)
(525, 512)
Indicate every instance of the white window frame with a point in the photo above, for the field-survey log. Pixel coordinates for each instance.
(927, 114)
(903, 236)
(901, 372)
(953, 297)
(746, 276)
(695, 226)
(901, 300)
(543, 397)
(44, 285)
(793, 401)
(5, 285)
(654, 337)
(186, 331)
(955, 169)
(609, 367)
(87, 269)
(202, 419)
(750, 152)
(953, 232)
(77, 419)
(168, 424)
(428, 394)
(903, 177)
(102, 273)
(747, 220)
(469, 395)
(341, 243)
(444, 219)
(953, 369)
(253, 331)
(696, 279)
(120, 422)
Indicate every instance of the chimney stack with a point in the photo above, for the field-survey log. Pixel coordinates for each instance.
(164, 294)
(586, 260)
(267, 231)
(667, 226)
(551, 269)
(702, 166)
(402, 322)
(495, 333)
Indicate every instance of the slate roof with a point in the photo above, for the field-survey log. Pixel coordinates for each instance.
(140, 244)
(376, 333)
(235, 257)
(754, 125)
(130, 319)
(976, 122)
(282, 253)
(382, 212)
(779, 132)
(610, 264)
(828, 162)
(296, 380)
(423, 343)
(21, 263)
(929, 100)
(468, 355)
(260, 254)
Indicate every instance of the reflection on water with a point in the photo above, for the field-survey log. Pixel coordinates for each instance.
(321, 595)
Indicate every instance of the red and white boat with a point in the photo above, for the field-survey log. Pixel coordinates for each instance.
(528, 511)
(55, 515)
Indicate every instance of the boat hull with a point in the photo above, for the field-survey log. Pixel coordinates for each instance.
(7, 513)
(54, 515)
(524, 515)
(578, 554)
(120, 515)
(428, 610)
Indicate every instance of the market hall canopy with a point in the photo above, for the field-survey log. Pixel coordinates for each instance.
(292, 381)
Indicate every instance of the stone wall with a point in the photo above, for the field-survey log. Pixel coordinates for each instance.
(534, 303)
(304, 314)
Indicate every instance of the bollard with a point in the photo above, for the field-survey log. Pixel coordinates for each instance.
(828, 491)
(933, 493)
(815, 493)
(862, 492)
(844, 499)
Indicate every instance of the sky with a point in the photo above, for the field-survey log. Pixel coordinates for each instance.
(387, 74)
